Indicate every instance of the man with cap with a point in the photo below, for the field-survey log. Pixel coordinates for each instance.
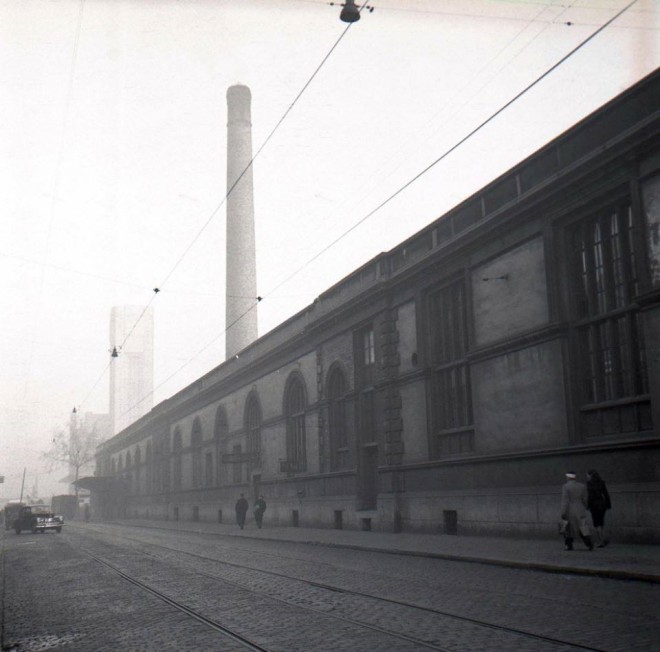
(574, 510)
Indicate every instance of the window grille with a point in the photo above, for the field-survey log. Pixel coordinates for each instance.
(295, 426)
(451, 391)
(611, 359)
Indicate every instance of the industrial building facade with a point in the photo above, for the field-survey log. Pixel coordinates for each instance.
(448, 384)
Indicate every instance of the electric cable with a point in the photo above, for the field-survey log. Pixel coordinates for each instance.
(491, 17)
(455, 146)
(242, 174)
(189, 360)
(252, 160)
(58, 171)
(458, 144)
(71, 270)
(378, 173)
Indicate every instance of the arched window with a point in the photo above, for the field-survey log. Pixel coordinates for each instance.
(220, 433)
(196, 445)
(253, 430)
(176, 461)
(295, 402)
(337, 419)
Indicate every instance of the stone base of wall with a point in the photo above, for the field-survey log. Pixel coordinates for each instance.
(528, 512)
(525, 512)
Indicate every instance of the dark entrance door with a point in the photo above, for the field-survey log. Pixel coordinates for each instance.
(368, 477)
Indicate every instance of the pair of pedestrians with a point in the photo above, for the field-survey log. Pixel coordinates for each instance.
(242, 508)
(576, 499)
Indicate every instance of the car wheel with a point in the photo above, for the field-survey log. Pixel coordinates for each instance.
(17, 530)
(58, 530)
(34, 530)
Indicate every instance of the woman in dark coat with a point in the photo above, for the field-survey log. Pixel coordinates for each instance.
(241, 511)
(598, 502)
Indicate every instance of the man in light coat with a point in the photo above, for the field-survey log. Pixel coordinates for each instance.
(574, 510)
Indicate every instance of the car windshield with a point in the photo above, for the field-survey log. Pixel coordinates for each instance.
(40, 509)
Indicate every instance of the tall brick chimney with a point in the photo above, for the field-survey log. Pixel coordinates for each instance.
(241, 310)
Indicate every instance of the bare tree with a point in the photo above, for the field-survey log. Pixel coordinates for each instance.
(76, 449)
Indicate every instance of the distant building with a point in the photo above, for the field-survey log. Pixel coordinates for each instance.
(132, 370)
(98, 426)
(448, 384)
(97, 423)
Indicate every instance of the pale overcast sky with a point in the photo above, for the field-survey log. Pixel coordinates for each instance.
(113, 131)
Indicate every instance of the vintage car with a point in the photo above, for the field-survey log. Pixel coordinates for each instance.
(37, 518)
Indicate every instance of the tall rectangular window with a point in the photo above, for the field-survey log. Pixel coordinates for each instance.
(295, 426)
(365, 356)
(611, 359)
(365, 376)
(451, 393)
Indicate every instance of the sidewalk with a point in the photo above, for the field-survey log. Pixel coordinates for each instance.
(617, 561)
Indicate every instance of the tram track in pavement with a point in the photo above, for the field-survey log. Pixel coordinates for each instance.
(334, 589)
(179, 606)
(248, 643)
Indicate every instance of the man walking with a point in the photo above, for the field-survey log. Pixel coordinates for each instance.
(574, 510)
(259, 509)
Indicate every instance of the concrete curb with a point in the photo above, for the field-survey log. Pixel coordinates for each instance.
(606, 573)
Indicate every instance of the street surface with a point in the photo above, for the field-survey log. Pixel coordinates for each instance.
(112, 587)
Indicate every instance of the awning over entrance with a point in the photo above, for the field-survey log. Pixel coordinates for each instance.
(100, 483)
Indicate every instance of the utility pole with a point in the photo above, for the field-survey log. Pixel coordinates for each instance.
(23, 484)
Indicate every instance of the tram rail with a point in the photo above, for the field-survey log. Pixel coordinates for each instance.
(515, 632)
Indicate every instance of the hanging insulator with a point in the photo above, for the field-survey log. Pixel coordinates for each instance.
(349, 13)
(114, 353)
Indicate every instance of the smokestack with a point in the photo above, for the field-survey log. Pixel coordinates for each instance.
(241, 310)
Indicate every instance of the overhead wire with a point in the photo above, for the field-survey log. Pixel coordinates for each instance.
(231, 188)
(58, 171)
(445, 154)
(259, 150)
(71, 270)
(378, 174)
(451, 149)
(189, 360)
(491, 17)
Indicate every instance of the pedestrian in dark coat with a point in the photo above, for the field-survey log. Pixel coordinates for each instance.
(241, 511)
(259, 509)
(574, 510)
(598, 502)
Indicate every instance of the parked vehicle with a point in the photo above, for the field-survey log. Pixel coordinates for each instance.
(66, 505)
(12, 508)
(37, 518)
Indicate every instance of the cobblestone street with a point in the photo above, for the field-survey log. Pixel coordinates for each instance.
(108, 587)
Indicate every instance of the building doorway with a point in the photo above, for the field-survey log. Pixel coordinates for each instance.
(368, 477)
